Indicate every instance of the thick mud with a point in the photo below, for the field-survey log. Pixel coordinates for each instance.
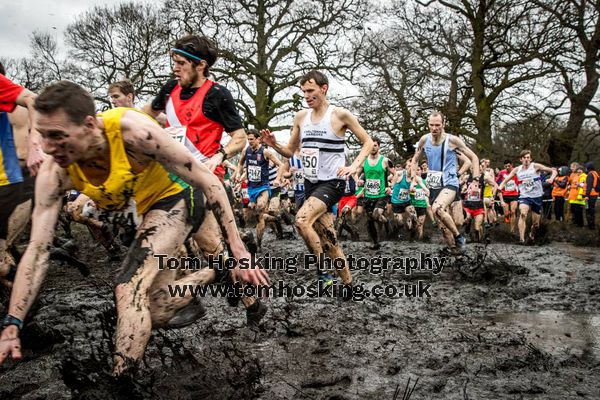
(503, 322)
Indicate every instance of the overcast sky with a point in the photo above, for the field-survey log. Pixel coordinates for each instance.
(19, 18)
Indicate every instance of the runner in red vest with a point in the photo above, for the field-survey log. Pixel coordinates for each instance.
(509, 196)
(198, 111)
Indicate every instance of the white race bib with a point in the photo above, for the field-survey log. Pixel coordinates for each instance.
(527, 185)
(254, 172)
(473, 196)
(177, 133)
(434, 179)
(510, 186)
(310, 163)
(373, 187)
(419, 195)
(245, 193)
(126, 216)
(299, 177)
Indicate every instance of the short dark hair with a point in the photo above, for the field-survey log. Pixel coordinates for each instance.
(2, 70)
(507, 162)
(74, 100)
(199, 46)
(253, 132)
(319, 78)
(377, 140)
(125, 86)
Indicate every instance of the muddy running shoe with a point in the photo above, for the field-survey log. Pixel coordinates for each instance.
(460, 241)
(187, 315)
(255, 313)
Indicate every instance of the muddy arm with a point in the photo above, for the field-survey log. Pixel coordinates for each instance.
(50, 186)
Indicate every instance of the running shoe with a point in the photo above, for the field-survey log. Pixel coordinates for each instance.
(187, 315)
(326, 278)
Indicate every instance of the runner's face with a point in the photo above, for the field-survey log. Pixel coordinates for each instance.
(313, 93)
(118, 99)
(253, 142)
(184, 71)
(375, 149)
(62, 139)
(508, 167)
(526, 159)
(436, 125)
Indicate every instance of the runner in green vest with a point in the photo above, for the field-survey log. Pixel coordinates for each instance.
(418, 196)
(376, 168)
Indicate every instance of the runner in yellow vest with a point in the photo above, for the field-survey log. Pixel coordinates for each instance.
(127, 164)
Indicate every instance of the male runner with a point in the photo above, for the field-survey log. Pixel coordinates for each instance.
(121, 93)
(376, 168)
(345, 209)
(319, 134)
(121, 158)
(488, 192)
(255, 161)
(404, 212)
(198, 110)
(418, 196)
(530, 192)
(442, 180)
(509, 195)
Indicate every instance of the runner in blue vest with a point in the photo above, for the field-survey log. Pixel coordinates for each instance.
(442, 180)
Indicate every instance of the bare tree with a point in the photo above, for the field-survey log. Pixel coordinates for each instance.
(125, 41)
(266, 45)
(507, 42)
(579, 68)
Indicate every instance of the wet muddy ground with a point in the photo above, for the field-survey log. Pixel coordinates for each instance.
(503, 322)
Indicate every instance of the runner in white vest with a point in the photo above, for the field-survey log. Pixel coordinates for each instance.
(530, 192)
(319, 134)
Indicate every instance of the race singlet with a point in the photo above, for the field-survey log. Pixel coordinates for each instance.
(434, 179)
(310, 163)
(473, 195)
(373, 187)
(254, 172)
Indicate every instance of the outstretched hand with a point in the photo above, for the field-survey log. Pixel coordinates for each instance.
(268, 137)
(10, 344)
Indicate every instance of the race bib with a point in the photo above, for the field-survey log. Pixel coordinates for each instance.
(254, 173)
(419, 195)
(434, 179)
(473, 196)
(177, 133)
(245, 193)
(373, 187)
(403, 195)
(310, 163)
(299, 177)
(527, 185)
(127, 216)
(510, 186)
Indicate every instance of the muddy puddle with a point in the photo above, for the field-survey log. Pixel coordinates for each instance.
(502, 322)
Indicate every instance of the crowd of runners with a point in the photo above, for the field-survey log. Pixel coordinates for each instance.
(158, 181)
